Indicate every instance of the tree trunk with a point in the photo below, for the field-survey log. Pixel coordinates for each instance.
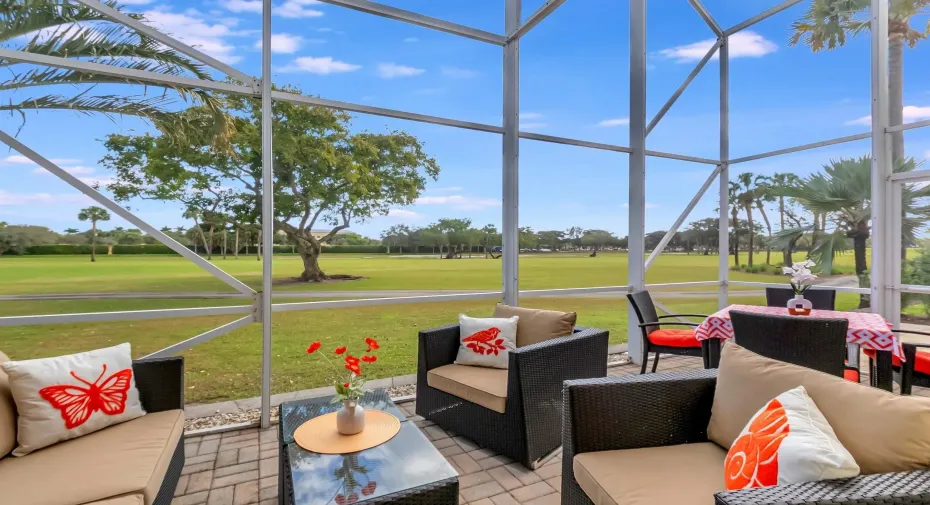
(236, 244)
(225, 236)
(310, 255)
(258, 247)
(859, 247)
(735, 214)
(752, 234)
(768, 227)
(210, 246)
(781, 213)
(93, 241)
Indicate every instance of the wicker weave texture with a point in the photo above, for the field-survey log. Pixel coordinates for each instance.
(815, 343)
(531, 424)
(161, 387)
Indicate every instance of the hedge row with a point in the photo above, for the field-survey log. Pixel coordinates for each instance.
(69, 249)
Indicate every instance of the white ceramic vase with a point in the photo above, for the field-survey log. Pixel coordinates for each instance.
(799, 306)
(350, 419)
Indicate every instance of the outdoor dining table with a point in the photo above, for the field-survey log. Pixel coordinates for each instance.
(866, 330)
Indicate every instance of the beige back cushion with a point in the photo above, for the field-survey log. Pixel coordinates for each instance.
(884, 432)
(7, 414)
(537, 325)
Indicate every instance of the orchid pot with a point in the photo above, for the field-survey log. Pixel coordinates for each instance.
(801, 278)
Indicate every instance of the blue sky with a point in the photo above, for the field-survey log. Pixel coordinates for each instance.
(574, 83)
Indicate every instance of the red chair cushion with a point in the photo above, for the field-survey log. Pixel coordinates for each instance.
(921, 364)
(851, 375)
(674, 338)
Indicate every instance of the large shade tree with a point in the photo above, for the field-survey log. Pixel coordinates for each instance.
(324, 173)
(828, 24)
(69, 30)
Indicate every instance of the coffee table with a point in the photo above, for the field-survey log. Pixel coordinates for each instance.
(407, 469)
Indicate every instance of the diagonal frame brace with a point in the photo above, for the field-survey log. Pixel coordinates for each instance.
(681, 219)
(535, 18)
(171, 42)
(681, 89)
(125, 214)
(705, 15)
(761, 16)
(206, 336)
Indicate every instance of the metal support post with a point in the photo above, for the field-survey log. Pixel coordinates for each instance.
(881, 166)
(724, 223)
(895, 265)
(511, 155)
(267, 212)
(637, 176)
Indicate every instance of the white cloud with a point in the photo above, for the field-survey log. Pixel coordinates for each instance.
(17, 159)
(135, 2)
(7, 198)
(458, 73)
(533, 125)
(411, 40)
(530, 115)
(98, 182)
(404, 214)
(744, 44)
(283, 43)
(927, 155)
(76, 170)
(191, 28)
(324, 65)
(459, 202)
(253, 6)
(297, 9)
(911, 113)
(392, 70)
(445, 189)
(609, 123)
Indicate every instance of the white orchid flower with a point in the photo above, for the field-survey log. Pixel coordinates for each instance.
(787, 270)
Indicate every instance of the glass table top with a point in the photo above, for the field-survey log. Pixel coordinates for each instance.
(295, 413)
(405, 462)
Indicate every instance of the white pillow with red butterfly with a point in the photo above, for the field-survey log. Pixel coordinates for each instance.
(69, 396)
(486, 341)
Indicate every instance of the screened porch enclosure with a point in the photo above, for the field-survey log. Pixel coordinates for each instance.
(258, 307)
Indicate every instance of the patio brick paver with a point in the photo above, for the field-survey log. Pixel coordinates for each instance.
(240, 467)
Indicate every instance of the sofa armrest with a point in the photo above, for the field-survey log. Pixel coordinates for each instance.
(878, 489)
(438, 347)
(160, 382)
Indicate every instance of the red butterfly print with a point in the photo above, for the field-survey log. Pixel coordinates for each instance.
(485, 342)
(77, 403)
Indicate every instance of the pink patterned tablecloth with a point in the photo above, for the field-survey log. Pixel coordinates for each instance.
(870, 331)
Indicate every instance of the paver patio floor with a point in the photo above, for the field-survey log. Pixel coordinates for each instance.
(241, 467)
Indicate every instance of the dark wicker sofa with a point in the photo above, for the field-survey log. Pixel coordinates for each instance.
(530, 426)
(161, 387)
(670, 409)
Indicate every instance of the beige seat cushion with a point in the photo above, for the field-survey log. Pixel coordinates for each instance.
(680, 474)
(129, 499)
(884, 432)
(126, 459)
(537, 325)
(7, 414)
(485, 386)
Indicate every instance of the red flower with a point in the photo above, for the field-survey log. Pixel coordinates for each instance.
(351, 360)
(369, 488)
(372, 344)
(340, 499)
(352, 498)
(369, 359)
(354, 369)
(340, 350)
(313, 347)
(346, 385)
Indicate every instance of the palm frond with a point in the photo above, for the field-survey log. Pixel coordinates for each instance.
(826, 246)
(19, 18)
(784, 239)
(826, 23)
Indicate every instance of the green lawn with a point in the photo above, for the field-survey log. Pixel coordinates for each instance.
(69, 274)
(228, 367)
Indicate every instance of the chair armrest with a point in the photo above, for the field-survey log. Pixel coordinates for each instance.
(684, 315)
(438, 347)
(669, 323)
(637, 411)
(887, 488)
(541, 368)
(160, 382)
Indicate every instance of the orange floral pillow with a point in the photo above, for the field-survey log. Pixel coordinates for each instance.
(788, 441)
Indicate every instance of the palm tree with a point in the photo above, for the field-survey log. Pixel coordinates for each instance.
(827, 23)
(72, 231)
(734, 216)
(195, 214)
(843, 192)
(69, 30)
(747, 184)
(93, 214)
(765, 193)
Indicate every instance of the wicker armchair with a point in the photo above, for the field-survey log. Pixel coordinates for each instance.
(530, 426)
(668, 409)
(160, 382)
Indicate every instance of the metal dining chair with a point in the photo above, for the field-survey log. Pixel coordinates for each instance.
(812, 342)
(661, 340)
(821, 299)
(916, 368)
